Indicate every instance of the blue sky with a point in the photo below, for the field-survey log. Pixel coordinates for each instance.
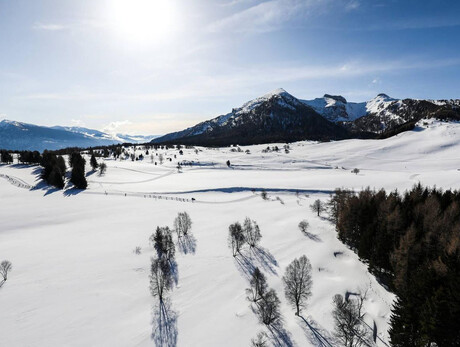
(151, 67)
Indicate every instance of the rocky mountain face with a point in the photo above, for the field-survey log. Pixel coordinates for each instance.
(274, 117)
(280, 117)
(23, 136)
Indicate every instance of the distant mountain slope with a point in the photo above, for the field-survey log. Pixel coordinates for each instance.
(23, 136)
(278, 116)
(275, 117)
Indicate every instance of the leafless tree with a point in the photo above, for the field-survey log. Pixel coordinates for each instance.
(161, 279)
(182, 224)
(268, 308)
(163, 243)
(251, 232)
(348, 314)
(303, 226)
(297, 282)
(258, 286)
(102, 168)
(236, 238)
(5, 267)
(317, 207)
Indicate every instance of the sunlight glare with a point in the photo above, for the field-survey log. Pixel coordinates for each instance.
(142, 20)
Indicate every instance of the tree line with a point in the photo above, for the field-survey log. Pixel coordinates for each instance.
(411, 242)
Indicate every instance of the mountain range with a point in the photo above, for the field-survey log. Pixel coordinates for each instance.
(22, 136)
(274, 117)
(280, 117)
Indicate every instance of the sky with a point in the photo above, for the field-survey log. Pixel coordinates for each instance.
(151, 67)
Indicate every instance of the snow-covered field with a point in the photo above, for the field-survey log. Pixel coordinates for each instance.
(77, 282)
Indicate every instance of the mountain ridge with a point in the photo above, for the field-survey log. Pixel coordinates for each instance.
(371, 118)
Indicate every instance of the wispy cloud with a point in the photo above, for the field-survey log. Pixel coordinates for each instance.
(265, 16)
(238, 81)
(49, 26)
(352, 5)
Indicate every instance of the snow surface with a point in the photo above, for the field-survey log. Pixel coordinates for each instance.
(77, 282)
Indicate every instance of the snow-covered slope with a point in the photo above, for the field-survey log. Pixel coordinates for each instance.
(22, 136)
(336, 108)
(77, 282)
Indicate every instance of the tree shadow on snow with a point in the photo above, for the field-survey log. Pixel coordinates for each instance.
(316, 335)
(247, 260)
(313, 237)
(164, 321)
(174, 270)
(72, 191)
(280, 337)
(187, 244)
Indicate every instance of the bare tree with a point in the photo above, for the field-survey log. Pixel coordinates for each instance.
(258, 286)
(264, 195)
(268, 308)
(163, 243)
(349, 328)
(161, 159)
(260, 341)
(236, 237)
(303, 226)
(161, 279)
(317, 207)
(182, 224)
(297, 282)
(251, 232)
(5, 267)
(102, 168)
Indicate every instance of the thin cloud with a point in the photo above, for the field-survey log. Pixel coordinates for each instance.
(244, 80)
(49, 26)
(265, 16)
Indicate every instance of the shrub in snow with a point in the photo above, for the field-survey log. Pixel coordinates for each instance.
(5, 267)
(303, 226)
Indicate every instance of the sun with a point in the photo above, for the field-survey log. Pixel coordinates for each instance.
(142, 20)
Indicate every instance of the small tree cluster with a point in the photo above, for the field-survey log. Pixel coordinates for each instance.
(266, 300)
(28, 157)
(53, 169)
(6, 157)
(239, 235)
